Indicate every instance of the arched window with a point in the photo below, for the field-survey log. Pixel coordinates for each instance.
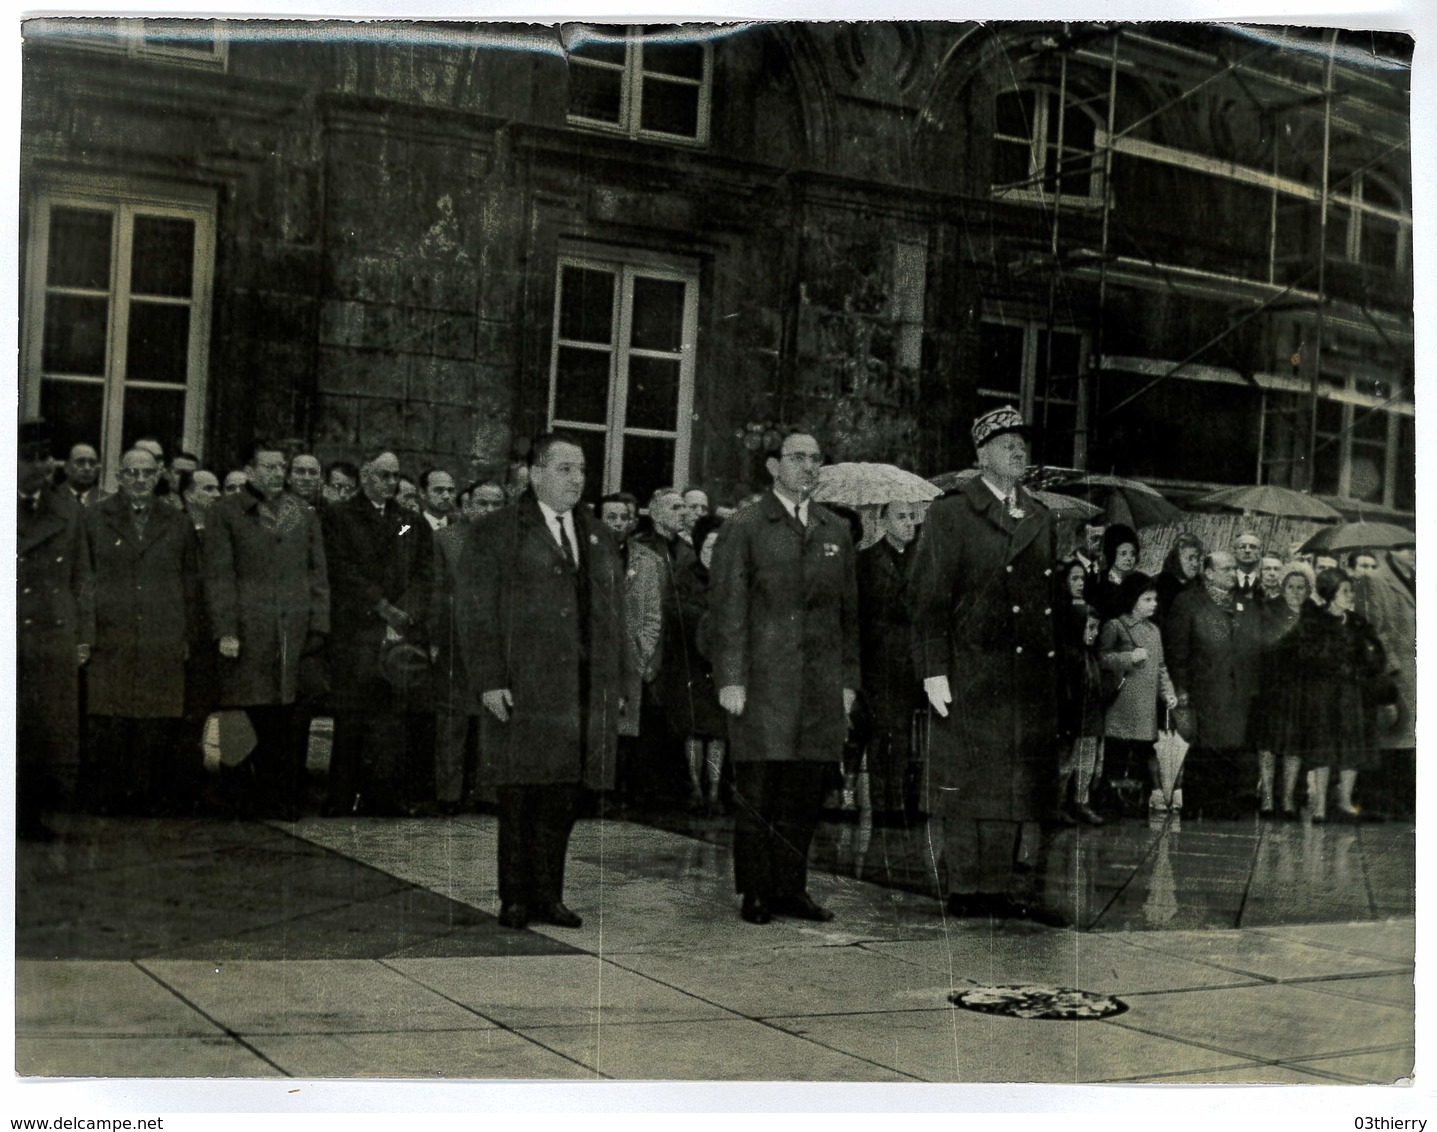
(1043, 147)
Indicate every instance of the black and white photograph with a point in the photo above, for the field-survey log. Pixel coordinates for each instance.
(716, 550)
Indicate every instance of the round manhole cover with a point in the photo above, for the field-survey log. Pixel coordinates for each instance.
(1031, 1000)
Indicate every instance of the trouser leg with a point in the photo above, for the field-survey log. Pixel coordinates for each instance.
(752, 842)
(277, 781)
(797, 803)
(451, 730)
(346, 753)
(534, 827)
(554, 812)
(980, 855)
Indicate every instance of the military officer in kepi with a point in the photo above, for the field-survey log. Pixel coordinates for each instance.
(984, 646)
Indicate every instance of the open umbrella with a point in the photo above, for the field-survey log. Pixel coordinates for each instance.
(1269, 499)
(1123, 500)
(1058, 504)
(862, 485)
(1359, 536)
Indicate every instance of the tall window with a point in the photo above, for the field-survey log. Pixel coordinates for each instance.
(622, 369)
(646, 82)
(1043, 147)
(1020, 367)
(195, 43)
(117, 320)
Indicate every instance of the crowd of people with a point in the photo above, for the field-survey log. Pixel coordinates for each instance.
(1262, 662)
(501, 646)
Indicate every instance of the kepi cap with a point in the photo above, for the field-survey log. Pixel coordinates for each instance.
(996, 423)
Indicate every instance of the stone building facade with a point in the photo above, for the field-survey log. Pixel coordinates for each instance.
(1176, 247)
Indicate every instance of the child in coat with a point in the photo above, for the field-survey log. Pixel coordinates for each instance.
(1080, 713)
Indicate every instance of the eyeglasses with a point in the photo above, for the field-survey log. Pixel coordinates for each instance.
(139, 473)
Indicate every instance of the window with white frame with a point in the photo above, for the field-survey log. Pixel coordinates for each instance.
(1360, 441)
(645, 82)
(1039, 374)
(1044, 147)
(196, 43)
(1368, 225)
(622, 368)
(116, 334)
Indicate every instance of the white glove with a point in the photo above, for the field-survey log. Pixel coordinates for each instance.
(936, 689)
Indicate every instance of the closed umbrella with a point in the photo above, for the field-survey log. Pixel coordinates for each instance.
(1360, 536)
(1269, 499)
(868, 485)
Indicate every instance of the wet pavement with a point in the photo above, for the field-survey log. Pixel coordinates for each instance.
(1245, 951)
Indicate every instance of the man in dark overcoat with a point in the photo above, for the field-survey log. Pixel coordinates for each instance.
(268, 591)
(784, 642)
(984, 646)
(380, 559)
(1212, 641)
(540, 602)
(456, 704)
(48, 652)
(139, 614)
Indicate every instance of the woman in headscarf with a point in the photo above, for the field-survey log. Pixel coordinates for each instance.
(1180, 567)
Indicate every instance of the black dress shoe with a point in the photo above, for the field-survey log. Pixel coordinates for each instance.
(558, 915)
(803, 907)
(969, 905)
(1086, 814)
(755, 910)
(515, 916)
(1018, 910)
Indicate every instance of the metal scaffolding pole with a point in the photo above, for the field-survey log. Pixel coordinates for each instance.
(1311, 478)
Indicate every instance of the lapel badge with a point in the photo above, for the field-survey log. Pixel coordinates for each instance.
(593, 540)
(830, 549)
(403, 528)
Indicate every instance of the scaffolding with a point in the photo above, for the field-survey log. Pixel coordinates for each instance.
(1287, 401)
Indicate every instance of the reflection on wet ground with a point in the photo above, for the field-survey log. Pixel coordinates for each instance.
(1166, 872)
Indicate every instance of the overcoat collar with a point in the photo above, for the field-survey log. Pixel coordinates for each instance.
(775, 512)
(116, 511)
(1022, 531)
(48, 521)
(531, 516)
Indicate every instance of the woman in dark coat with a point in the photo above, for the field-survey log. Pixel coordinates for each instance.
(686, 680)
(1340, 662)
(890, 692)
(1121, 549)
(1277, 709)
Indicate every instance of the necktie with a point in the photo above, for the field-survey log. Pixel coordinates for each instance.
(564, 540)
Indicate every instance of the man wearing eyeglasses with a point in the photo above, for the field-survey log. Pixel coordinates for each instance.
(784, 607)
(139, 607)
(268, 592)
(380, 575)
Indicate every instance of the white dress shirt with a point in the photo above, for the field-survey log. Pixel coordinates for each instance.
(798, 510)
(562, 528)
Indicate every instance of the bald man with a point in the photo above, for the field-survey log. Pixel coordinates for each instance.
(380, 560)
